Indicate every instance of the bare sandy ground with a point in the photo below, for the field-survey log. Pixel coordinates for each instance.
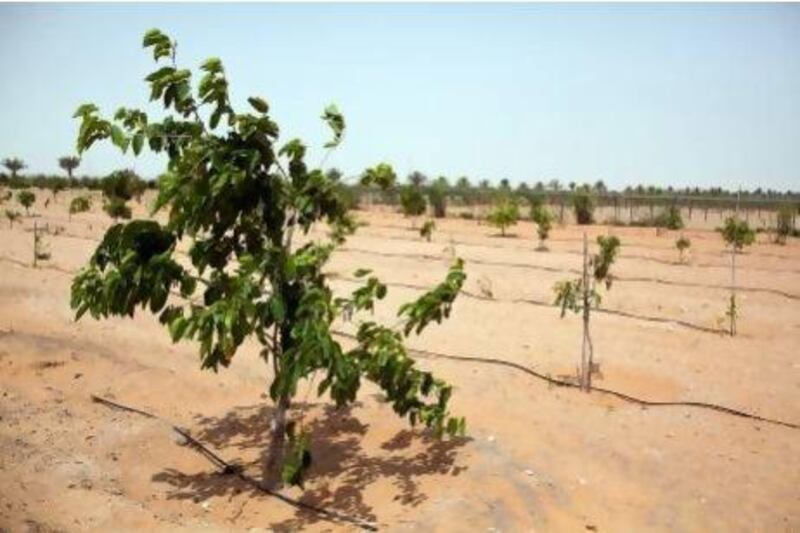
(537, 457)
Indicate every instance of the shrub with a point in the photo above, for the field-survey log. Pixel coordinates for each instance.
(783, 227)
(246, 281)
(411, 201)
(670, 218)
(543, 218)
(737, 233)
(12, 217)
(26, 199)
(504, 214)
(437, 196)
(583, 204)
(79, 204)
(123, 184)
(426, 231)
(117, 208)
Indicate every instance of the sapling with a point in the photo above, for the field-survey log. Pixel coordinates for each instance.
(504, 214)
(79, 204)
(543, 218)
(581, 294)
(40, 252)
(412, 202)
(426, 231)
(682, 244)
(12, 216)
(26, 200)
(238, 198)
(737, 234)
(117, 208)
(783, 224)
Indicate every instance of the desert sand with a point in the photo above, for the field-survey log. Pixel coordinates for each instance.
(537, 458)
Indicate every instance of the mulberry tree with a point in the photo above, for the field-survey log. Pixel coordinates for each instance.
(241, 200)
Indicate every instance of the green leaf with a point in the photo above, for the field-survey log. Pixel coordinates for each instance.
(119, 138)
(259, 104)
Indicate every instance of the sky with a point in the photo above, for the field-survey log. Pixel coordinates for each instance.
(659, 94)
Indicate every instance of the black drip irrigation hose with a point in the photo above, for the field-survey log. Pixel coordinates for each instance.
(527, 266)
(567, 384)
(227, 468)
(542, 303)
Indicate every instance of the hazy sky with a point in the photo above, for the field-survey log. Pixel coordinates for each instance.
(658, 94)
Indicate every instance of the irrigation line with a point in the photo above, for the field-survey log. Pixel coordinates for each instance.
(542, 303)
(561, 383)
(527, 266)
(227, 468)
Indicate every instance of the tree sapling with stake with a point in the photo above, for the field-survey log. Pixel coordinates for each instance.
(682, 244)
(737, 234)
(581, 294)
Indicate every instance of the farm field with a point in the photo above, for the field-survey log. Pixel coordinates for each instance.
(536, 457)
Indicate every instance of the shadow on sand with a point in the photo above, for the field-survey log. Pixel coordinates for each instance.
(342, 468)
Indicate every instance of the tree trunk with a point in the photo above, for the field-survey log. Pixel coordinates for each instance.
(277, 445)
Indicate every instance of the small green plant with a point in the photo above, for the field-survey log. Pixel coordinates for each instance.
(12, 216)
(732, 312)
(783, 228)
(682, 244)
(581, 294)
(412, 202)
(670, 218)
(117, 208)
(437, 196)
(543, 218)
(504, 215)
(26, 199)
(737, 233)
(79, 204)
(40, 251)
(426, 231)
(583, 204)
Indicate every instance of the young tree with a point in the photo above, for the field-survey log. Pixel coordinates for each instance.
(40, 251)
(239, 199)
(737, 234)
(437, 196)
(14, 165)
(784, 224)
(543, 218)
(412, 202)
(117, 208)
(68, 164)
(79, 204)
(26, 199)
(12, 216)
(426, 231)
(682, 244)
(504, 214)
(671, 218)
(581, 294)
(583, 204)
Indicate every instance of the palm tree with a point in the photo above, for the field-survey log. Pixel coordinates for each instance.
(69, 163)
(14, 165)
